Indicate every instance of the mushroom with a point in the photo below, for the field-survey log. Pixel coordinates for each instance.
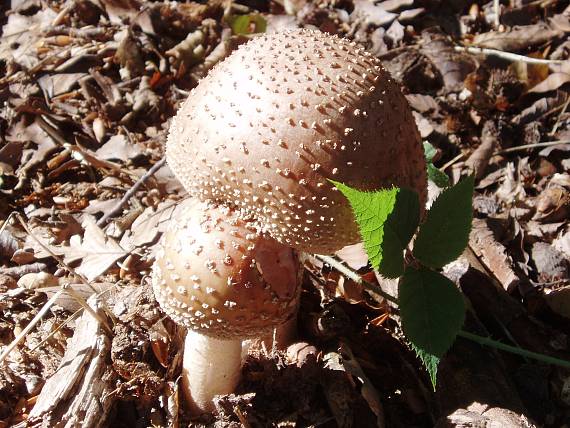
(261, 135)
(285, 112)
(224, 282)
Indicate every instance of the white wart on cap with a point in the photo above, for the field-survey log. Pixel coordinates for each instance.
(217, 276)
(267, 127)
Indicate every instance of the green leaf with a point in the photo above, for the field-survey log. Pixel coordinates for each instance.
(430, 362)
(429, 152)
(432, 311)
(248, 24)
(434, 174)
(445, 233)
(387, 220)
(440, 178)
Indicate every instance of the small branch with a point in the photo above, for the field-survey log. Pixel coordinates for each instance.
(487, 341)
(497, 10)
(452, 161)
(531, 146)
(557, 123)
(509, 56)
(129, 194)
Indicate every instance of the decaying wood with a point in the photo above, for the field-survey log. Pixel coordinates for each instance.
(492, 254)
(79, 394)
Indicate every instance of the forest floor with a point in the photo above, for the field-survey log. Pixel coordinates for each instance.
(87, 91)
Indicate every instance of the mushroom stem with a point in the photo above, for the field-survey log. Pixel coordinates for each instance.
(210, 367)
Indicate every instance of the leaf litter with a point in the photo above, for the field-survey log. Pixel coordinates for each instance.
(87, 90)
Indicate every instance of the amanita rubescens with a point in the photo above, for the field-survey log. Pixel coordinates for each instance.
(224, 282)
(263, 132)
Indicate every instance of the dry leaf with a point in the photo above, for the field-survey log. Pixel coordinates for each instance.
(550, 263)
(517, 38)
(540, 107)
(146, 228)
(453, 66)
(57, 84)
(8, 244)
(32, 281)
(118, 148)
(354, 256)
(551, 83)
(562, 243)
(97, 251)
(372, 14)
(422, 103)
(20, 34)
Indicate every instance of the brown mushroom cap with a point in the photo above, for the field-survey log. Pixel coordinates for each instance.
(267, 127)
(215, 274)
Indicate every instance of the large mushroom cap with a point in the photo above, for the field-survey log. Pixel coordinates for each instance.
(267, 127)
(216, 275)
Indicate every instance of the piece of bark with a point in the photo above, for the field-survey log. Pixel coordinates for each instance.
(492, 254)
(79, 392)
(479, 159)
(492, 417)
(551, 264)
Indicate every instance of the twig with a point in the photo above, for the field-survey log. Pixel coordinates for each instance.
(396, 50)
(531, 146)
(497, 10)
(557, 123)
(7, 221)
(129, 194)
(452, 161)
(30, 325)
(506, 55)
(349, 273)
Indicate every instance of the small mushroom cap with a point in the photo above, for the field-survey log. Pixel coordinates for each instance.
(215, 274)
(282, 114)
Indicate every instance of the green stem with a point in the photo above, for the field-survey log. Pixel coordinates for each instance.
(513, 350)
(349, 273)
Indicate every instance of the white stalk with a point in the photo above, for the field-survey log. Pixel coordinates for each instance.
(210, 367)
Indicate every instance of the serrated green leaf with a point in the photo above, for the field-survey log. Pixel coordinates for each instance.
(431, 362)
(429, 152)
(439, 178)
(432, 310)
(445, 233)
(248, 24)
(387, 220)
